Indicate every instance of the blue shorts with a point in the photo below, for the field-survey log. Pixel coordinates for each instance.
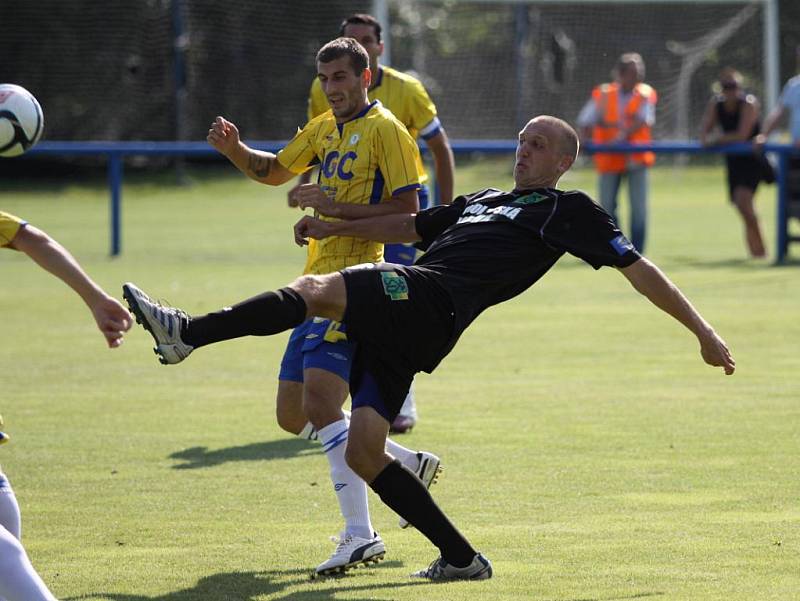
(319, 343)
(405, 254)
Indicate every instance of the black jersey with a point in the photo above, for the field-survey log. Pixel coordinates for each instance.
(730, 121)
(490, 246)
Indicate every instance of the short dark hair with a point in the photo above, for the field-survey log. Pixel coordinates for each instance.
(362, 19)
(631, 59)
(359, 59)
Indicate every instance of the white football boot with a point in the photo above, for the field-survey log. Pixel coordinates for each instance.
(479, 569)
(164, 324)
(350, 552)
(428, 471)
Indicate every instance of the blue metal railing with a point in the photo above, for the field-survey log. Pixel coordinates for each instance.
(117, 151)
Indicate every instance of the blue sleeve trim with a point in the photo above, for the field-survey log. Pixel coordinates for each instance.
(432, 134)
(416, 186)
(431, 130)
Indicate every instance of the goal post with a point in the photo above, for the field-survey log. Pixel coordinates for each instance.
(545, 56)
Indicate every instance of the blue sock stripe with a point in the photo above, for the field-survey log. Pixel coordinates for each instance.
(335, 441)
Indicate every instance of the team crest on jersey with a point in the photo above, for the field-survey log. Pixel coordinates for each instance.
(354, 139)
(530, 199)
(395, 286)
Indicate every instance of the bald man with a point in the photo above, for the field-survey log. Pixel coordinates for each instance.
(483, 249)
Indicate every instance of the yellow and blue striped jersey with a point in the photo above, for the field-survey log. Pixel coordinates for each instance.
(9, 226)
(366, 160)
(402, 94)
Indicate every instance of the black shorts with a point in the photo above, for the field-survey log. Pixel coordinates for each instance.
(401, 322)
(746, 171)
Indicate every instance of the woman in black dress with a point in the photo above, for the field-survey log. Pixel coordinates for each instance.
(732, 115)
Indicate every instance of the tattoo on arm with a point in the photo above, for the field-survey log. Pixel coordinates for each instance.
(259, 165)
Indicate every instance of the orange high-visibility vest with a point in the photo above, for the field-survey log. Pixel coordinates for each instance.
(606, 100)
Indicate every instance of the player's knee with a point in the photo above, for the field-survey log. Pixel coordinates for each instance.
(289, 420)
(367, 463)
(305, 284)
(358, 461)
(320, 407)
(10, 547)
(323, 294)
(289, 407)
(742, 198)
(310, 287)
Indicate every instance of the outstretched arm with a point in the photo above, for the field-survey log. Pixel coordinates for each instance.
(650, 281)
(112, 318)
(387, 229)
(258, 165)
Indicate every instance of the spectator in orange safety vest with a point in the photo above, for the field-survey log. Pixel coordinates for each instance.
(623, 111)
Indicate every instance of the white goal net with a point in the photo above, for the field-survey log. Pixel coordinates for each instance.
(491, 65)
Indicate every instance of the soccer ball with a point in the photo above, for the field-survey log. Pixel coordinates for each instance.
(21, 120)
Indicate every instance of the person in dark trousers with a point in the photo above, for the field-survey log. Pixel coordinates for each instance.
(481, 250)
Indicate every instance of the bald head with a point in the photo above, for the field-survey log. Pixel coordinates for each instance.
(548, 146)
(565, 135)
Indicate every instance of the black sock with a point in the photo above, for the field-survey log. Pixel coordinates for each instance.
(407, 496)
(262, 315)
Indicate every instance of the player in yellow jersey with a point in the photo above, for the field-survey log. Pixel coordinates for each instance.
(18, 579)
(407, 98)
(368, 167)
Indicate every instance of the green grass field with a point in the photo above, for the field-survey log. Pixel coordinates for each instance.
(588, 451)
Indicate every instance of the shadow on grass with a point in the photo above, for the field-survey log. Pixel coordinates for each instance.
(788, 262)
(200, 457)
(623, 598)
(244, 586)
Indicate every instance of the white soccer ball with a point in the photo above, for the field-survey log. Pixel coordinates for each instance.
(21, 120)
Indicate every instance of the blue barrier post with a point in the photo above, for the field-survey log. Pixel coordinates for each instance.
(115, 183)
(782, 219)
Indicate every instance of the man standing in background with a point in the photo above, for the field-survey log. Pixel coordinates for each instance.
(624, 112)
(788, 103)
(407, 98)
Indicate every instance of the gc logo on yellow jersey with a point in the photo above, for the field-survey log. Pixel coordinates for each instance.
(342, 168)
